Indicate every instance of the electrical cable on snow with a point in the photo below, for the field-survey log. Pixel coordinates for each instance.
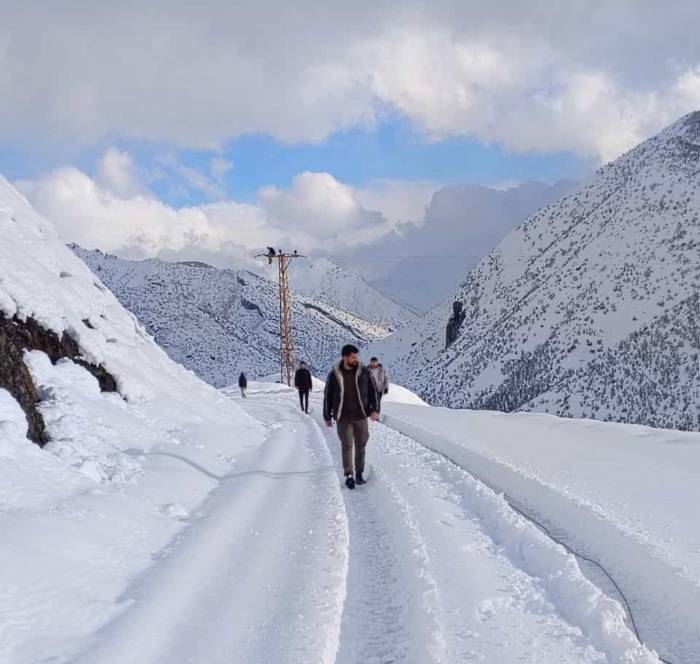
(542, 527)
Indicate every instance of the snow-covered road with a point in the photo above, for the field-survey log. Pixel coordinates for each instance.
(258, 575)
(441, 570)
(423, 564)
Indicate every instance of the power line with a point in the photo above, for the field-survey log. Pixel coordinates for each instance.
(363, 258)
(428, 259)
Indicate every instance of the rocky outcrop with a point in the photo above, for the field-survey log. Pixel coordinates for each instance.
(455, 323)
(17, 336)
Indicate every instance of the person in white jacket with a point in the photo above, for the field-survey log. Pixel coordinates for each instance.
(380, 377)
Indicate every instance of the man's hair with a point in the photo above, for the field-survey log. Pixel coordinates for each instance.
(374, 359)
(302, 362)
(349, 349)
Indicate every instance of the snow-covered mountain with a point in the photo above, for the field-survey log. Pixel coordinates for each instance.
(462, 224)
(324, 280)
(221, 322)
(587, 309)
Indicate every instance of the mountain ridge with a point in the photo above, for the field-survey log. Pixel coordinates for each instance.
(221, 322)
(569, 285)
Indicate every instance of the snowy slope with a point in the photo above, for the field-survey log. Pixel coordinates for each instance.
(599, 284)
(41, 279)
(661, 360)
(220, 322)
(623, 495)
(322, 279)
(83, 516)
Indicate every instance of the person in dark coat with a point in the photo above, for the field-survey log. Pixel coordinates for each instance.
(243, 384)
(303, 383)
(350, 398)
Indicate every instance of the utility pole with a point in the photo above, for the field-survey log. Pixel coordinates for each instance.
(286, 330)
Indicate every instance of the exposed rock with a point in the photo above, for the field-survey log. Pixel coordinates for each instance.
(18, 335)
(455, 322)
(250, 306)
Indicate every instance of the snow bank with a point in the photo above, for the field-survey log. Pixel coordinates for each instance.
(579, 601)
(399, 394)
(29, 478)
(624, 495)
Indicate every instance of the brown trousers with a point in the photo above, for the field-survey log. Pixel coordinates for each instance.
(353, 434)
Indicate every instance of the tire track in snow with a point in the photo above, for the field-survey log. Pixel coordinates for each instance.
(387, 616)
(441, 570)
(539, 606)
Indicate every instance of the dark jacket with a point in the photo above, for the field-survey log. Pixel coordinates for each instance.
(242, 381)
(333, 396)
(302, 379)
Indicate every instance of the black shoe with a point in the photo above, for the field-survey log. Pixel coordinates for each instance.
(359, 479)
(349, 482)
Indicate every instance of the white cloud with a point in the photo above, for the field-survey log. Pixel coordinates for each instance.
(542, 75)
(116, 174)
(687, 88)
(317, 204)
(401, 201)
(86, 213)
(183, 179)
(516, 91)
(114, 212)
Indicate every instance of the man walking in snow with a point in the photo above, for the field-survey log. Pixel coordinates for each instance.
(350, 398)
(380, 378)
(303, 383)
(243, 384)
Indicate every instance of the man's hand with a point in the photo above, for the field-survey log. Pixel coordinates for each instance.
(386, 391)
(374, 416)
(329, 423)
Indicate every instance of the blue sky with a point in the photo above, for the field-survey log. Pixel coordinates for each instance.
(357, 157)
(392, 151)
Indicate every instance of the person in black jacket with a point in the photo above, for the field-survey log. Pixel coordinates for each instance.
(350, 398)
(302, 381)
(243, 384)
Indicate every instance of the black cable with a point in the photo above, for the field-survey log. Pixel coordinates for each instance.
(553, 537)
